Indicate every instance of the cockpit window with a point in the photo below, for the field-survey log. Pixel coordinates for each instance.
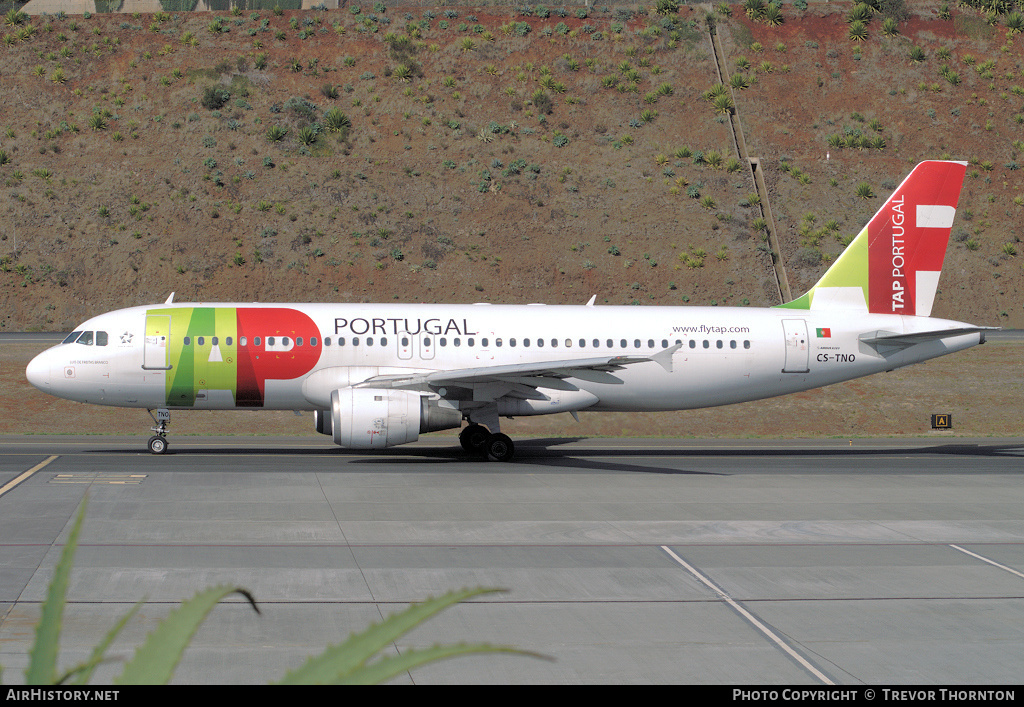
(87, 338)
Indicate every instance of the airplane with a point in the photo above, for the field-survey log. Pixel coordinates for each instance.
(379, 375)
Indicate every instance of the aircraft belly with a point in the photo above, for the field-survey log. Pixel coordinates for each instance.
(284, 395)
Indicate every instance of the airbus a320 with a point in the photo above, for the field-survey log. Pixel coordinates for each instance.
(379, 375)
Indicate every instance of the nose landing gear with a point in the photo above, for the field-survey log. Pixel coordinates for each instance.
(158, 442)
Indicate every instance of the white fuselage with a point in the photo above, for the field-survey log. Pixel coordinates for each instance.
(291, 356)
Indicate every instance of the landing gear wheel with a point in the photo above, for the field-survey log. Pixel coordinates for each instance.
(157, 444)
(499, 448)
(473, 438)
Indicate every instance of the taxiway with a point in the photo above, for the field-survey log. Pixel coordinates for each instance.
(625, 561)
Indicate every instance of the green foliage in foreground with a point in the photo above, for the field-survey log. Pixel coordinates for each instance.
(154, 661)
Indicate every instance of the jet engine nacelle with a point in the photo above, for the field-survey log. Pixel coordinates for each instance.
(374, 418)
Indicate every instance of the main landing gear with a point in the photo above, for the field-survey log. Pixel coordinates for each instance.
(477, 439)
(158, 442)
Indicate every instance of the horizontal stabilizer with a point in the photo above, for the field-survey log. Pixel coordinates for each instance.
(888, 338)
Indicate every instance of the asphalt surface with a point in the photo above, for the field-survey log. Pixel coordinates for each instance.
(625, 561)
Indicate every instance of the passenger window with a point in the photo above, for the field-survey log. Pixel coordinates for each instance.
(497, 342)
(270, 340)
(732, 344)
(608, 344)
(200, 340)
(707, 344)
(405, 341)
(243, 341)
(369, 341)
(511, 342)
(284, 341)
(341, 341)
(719, 343)
(622, 343)
(298, 341)
(636, 343)
(101, 338)
(540, 343)
(214, 340)
(469, 342)
(746, 344)
(444, 341)
(327, 341)
(312, 341)
(650, 343)
(664, 343)
(693, 344)
(554, 343)
(255, 341)
(456, 341)
(188, 341)
(526, 343)
(483, 343)
(355, 341)
(426, 342)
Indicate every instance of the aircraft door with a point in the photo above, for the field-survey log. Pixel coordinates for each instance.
(798, 348)
(156, 356)
(427, 348)
(406, 343)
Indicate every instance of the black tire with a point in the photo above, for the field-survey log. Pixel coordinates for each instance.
(500, 448)
(157, 444)
(474, 438)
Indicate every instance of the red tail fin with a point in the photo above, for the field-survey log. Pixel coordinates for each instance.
(907, 239)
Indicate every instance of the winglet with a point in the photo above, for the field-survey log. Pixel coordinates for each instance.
(170, 299)
(593, 298)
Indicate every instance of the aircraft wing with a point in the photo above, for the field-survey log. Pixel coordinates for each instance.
(522, 380)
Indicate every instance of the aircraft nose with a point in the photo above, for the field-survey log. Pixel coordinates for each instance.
(38, 372)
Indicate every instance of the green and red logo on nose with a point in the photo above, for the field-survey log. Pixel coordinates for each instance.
(220, 350)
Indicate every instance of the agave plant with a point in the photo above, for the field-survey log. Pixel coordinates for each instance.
(336, 121)
(155, 660)
(307, 135)
(723, 104)
(276, 133)
(772, 16)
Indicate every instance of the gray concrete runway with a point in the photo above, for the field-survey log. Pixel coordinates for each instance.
(626, 561)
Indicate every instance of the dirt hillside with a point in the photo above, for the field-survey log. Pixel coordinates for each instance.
(485, 154)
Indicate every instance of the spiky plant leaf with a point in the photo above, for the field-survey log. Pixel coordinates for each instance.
(155, 660)
(81, 674)
(339, 662)
(42, 664)
(387, 668)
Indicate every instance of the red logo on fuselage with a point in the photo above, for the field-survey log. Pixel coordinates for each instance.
(288, 347)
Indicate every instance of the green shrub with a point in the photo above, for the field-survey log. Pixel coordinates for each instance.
(214, 97)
